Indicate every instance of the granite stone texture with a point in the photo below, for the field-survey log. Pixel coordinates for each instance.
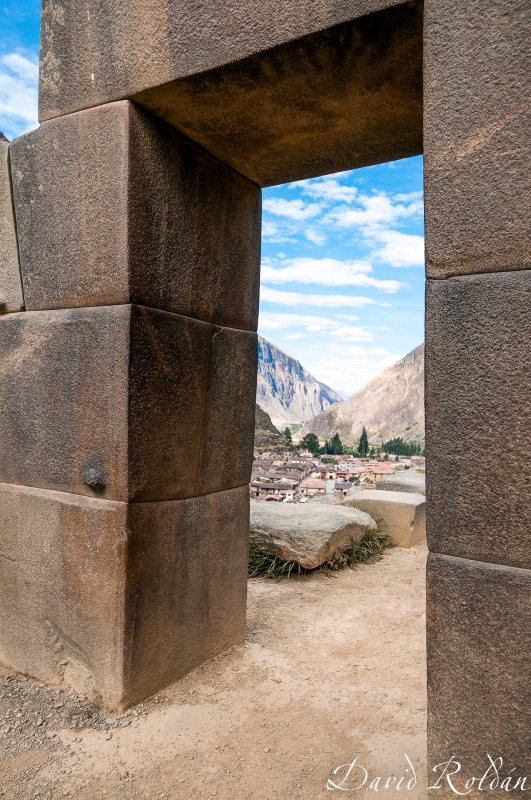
(111, 402)
(118, 600)
(91, 59)
(479, 651)
(11, 297)
(186, 586)
(477, 117)
(228, 429)
(478, 417)
(113, 206)
(280, 91)
(310, 537)
(328, 102)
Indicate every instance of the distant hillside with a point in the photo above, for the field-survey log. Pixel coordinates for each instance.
(390, 405)
(287, 391)
(265, 433)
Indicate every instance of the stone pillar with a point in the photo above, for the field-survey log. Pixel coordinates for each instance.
(478, 383)
(127, 393)
(11, 297)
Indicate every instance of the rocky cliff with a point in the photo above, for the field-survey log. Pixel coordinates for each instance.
(287, 391)
(266, 434)
(390, 405)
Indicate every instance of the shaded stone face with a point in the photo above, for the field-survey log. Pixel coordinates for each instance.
(112, 402)
(328, 102)
(228, 429)
(186, 586)
(478, 416)
(479, 640)
(476, 137)
(119, 600)
(278, 91)
(115, 207)
(11, 298)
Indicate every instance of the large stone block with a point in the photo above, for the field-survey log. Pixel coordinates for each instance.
(479, 651)
(118, 600)
(408, 481)
(228, 428)
(478, 417)
(279, 91)
(476, 136)
(112, 402)
(113, 206)
(11, 297)
(293, 532)
(401, 515)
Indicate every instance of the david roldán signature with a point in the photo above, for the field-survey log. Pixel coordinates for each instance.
(352, 777)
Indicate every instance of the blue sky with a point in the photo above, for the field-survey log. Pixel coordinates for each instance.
(343, 271)
(342, 255)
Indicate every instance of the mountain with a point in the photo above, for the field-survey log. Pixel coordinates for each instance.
(287, 391)
(266, 434)
(390, 405)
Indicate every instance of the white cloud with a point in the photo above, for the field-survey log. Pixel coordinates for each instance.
(376, 217)
(22, 66)
(347, 368)
(374, 210)
(275, 321)
(334, 335)
(271, 232)
(408, 197)
(324, 272)
(400, 249)
(269, 295)
(330, 189)
(293, 337)
(316, 237)
(19, 77)
(294, 209)
(351, 333)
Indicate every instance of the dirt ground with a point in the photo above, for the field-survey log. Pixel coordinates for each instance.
(333, 669)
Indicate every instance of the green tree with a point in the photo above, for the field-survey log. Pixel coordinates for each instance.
(336, 445)
(286, 433)
(310, 442)
(363, 445)
(399, 447)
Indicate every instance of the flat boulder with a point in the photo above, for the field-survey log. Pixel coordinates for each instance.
(308, 533)
(402, 515)
(407, 481)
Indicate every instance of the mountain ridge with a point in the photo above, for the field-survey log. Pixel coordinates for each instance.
(390, 405)
(286, 390)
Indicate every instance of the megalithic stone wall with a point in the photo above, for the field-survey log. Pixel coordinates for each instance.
(478, 388)
(11, 296)
(127, 395)
(127, 385)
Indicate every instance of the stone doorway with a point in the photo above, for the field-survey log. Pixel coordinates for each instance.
(137, 213)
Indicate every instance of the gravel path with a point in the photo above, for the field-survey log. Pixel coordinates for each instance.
(333, 668)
